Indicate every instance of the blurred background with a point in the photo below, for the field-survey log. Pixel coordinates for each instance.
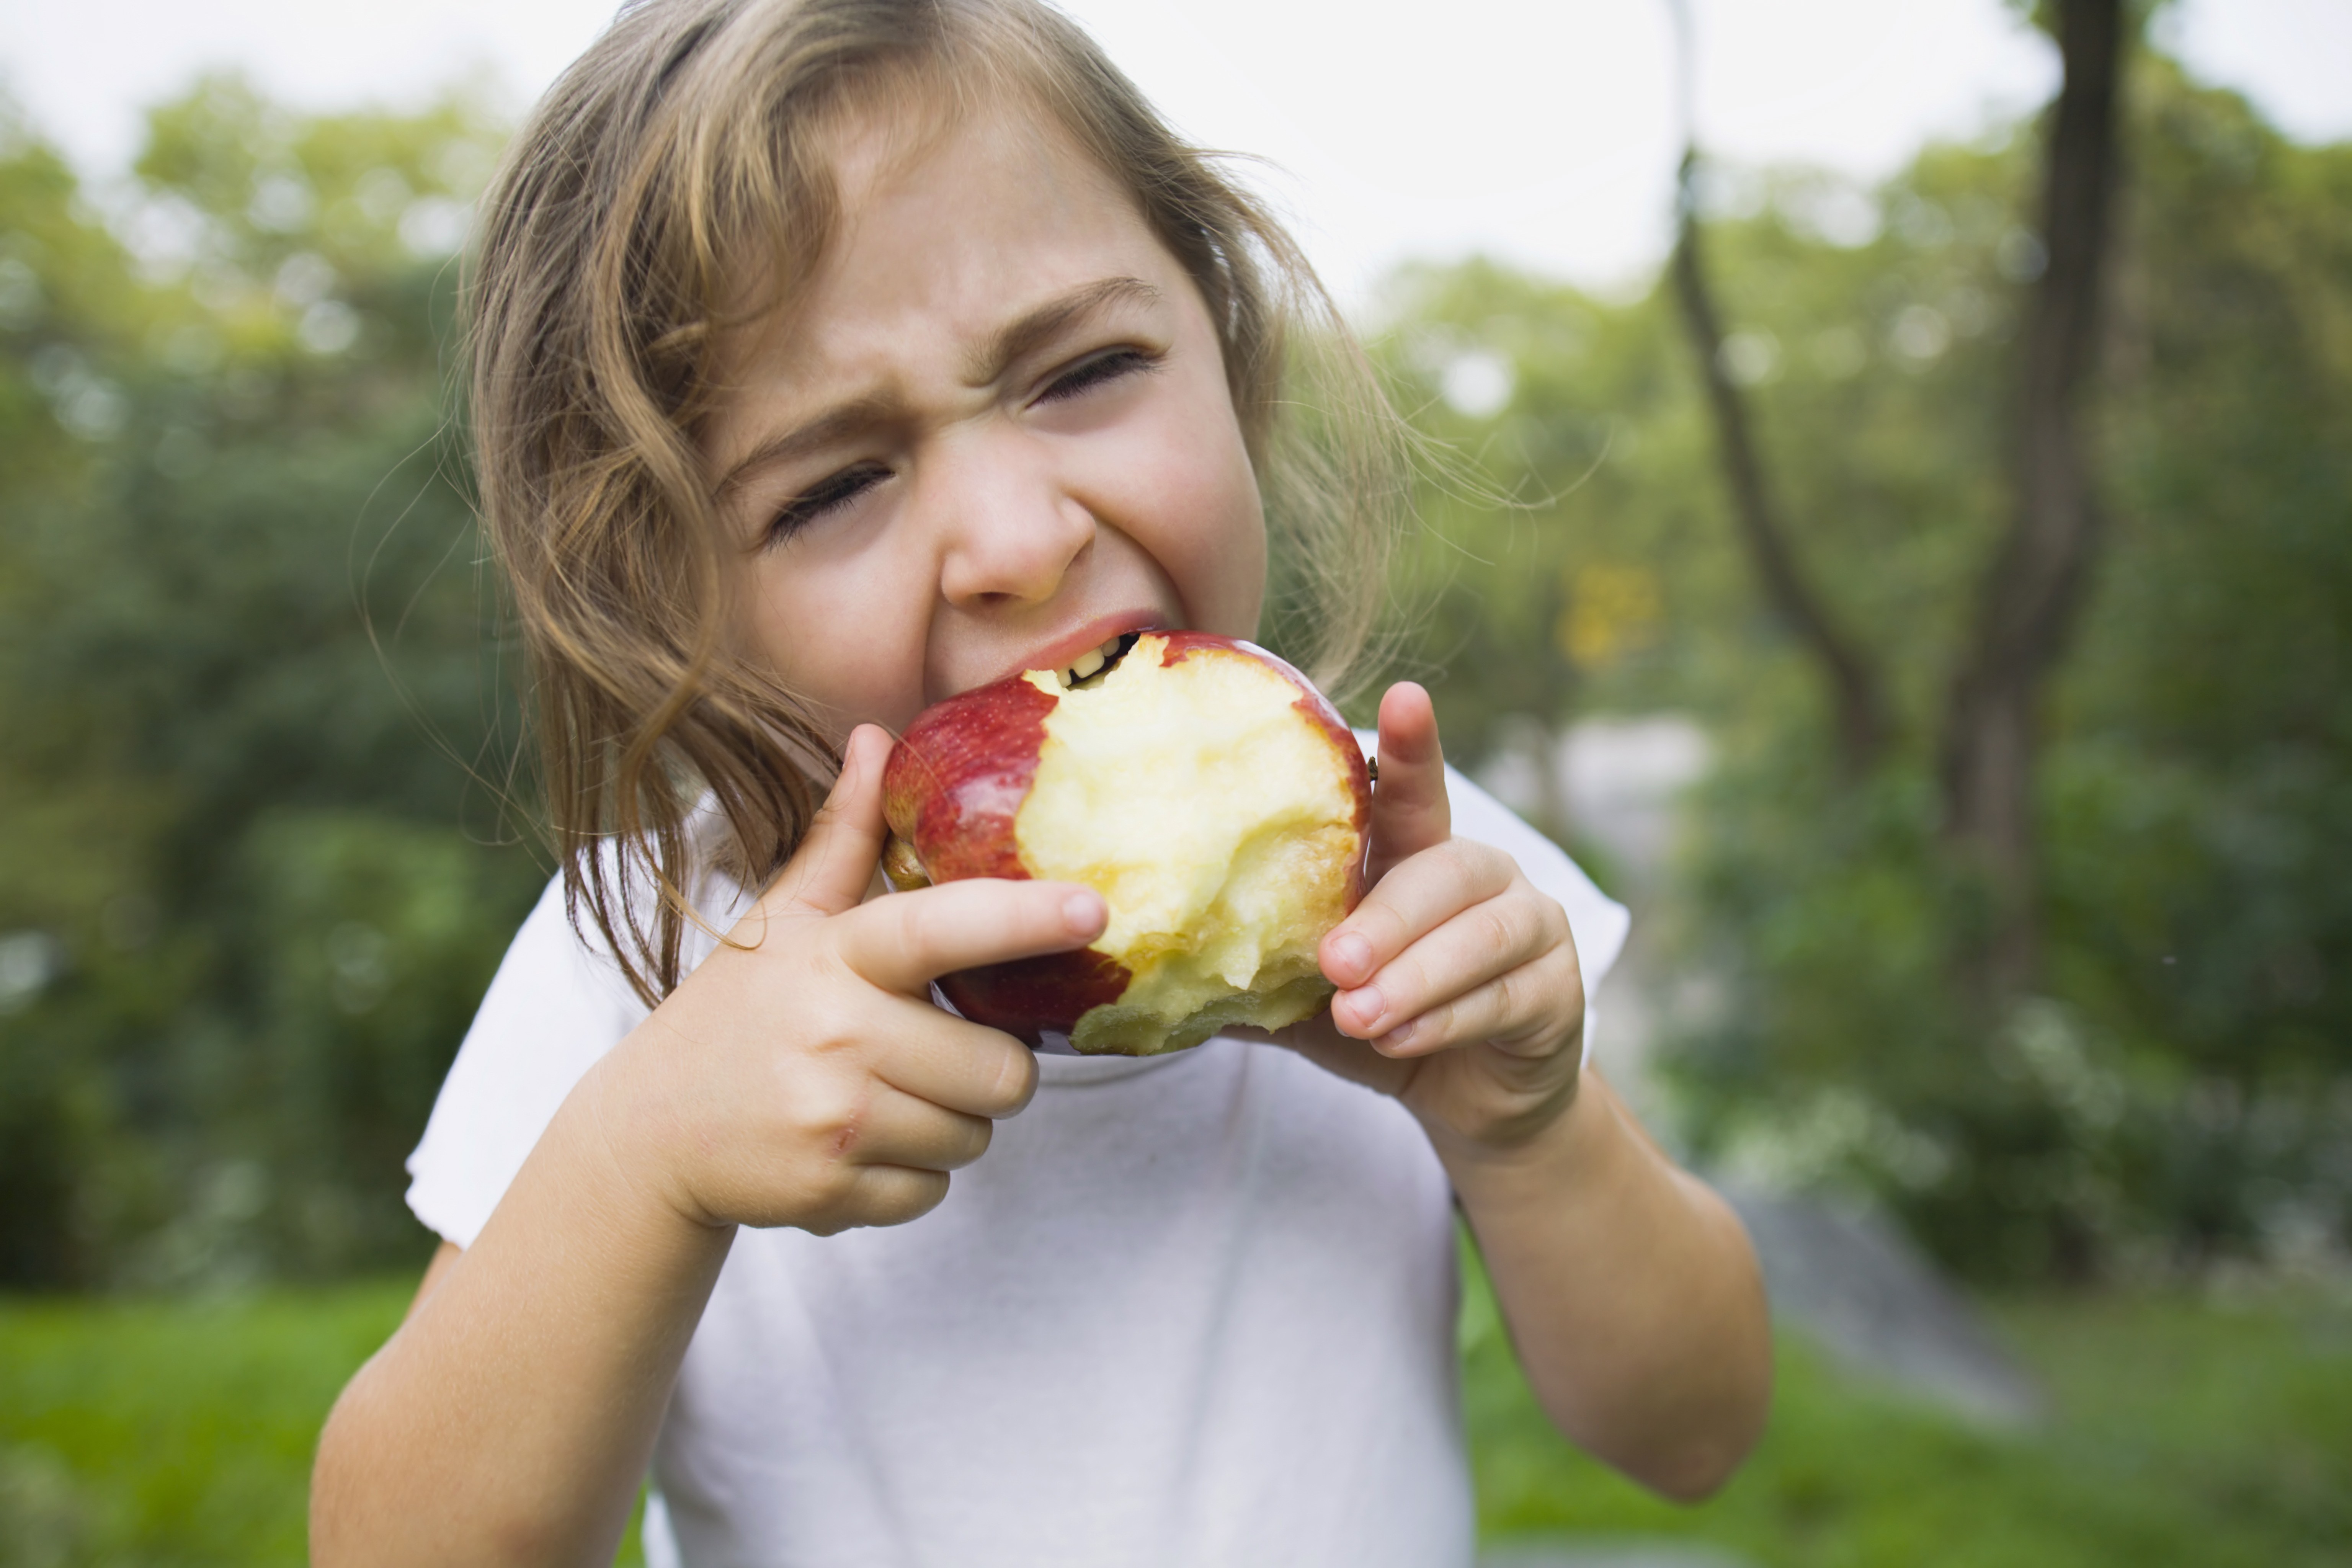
(1924, 602)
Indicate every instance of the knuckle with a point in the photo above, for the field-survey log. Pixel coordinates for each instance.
(827, 1200)
(1474, 870)
(901, 1193)
(829, 1117)
(1496, 927)
(1571, 981)
(1508, 1005)
(1014, 1081)
(978, 1131)
(920, 920)
(822, 1014)
(1435, 1025)
(1392, 931)
(1404, 983)
(1538, 1010)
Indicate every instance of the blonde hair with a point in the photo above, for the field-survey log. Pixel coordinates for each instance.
(611, 260)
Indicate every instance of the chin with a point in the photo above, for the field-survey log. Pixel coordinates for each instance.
(1200, 784)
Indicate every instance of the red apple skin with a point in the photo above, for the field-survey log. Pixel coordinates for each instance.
(1029, 995)
(951, 789)
(956, 782)
(958, 776)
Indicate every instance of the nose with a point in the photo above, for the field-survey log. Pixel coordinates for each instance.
(1008, 530)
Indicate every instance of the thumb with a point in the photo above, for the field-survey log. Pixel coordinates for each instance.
(833, 865)
(1410, 811)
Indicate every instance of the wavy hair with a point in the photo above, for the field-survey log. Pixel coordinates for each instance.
(614, 251)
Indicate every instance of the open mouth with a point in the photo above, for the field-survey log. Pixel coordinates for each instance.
(1096, 662)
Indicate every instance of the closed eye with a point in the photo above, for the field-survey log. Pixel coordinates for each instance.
(828, 494)
(1091, 372)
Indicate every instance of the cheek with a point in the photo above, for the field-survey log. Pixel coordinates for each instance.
(1221, 573)
(1193, 505)
(841, 634)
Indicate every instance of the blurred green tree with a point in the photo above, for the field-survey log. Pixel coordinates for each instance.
(257, 902)
(2177, 1080)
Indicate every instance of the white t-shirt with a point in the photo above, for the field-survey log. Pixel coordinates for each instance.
(1189, 1311)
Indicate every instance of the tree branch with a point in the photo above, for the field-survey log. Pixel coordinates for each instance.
(1861, 723)
(2032, 592)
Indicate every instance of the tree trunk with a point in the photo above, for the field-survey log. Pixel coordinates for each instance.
(2030, 595)
(1860, 714)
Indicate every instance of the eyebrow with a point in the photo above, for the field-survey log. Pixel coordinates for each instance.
(1040, 325)
(1010, 343)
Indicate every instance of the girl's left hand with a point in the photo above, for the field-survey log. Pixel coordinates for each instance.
(1459, 991)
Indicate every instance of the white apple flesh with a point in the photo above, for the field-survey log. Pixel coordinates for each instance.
(1216, 802)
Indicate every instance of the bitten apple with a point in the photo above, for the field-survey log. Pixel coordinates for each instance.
(1212, 796)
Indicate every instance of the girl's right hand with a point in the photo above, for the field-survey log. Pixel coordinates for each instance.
(801, 1076)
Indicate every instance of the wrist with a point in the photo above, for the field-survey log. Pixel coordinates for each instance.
(1560, 1147)
(629, 1132)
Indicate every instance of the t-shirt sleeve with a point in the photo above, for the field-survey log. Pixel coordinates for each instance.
(554, 1007)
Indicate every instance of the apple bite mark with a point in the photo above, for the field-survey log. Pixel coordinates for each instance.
(1200, 785)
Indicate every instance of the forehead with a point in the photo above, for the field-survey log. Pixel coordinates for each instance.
(947, 226)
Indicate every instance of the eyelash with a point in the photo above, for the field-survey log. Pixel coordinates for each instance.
(834, 490)
(1093, 372)
(839, 490)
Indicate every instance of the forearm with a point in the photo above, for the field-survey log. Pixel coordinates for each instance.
(511, 1416)
(1630, 1292)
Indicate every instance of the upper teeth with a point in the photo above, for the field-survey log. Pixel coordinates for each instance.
(1090, 661)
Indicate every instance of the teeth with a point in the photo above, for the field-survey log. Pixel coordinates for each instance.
(1090, 663)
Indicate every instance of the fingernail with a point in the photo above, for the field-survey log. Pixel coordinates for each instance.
(1084, 913)
(1396, 1038)
(1353, 954)
(1369, 1005)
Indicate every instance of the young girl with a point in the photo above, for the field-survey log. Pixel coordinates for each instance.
(833, 356)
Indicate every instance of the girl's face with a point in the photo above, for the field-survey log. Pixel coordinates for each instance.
(994, 433)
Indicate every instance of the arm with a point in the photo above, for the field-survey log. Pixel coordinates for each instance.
(800, 1077)
(1630, 1292)
(1630, 1289)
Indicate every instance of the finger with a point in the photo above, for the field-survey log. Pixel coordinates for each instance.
(887, 1126)
(1410, 812)
(1413, 899)
(1525, 1011)
(881, 1195)
(1486, 939)
(949, 1062)
(833, 865)
(905, 941)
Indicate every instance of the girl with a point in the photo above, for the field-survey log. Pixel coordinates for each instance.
(833, 356)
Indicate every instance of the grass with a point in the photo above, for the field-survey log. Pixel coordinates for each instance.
(163, 1431)
(175, 1432)
(2184, 1431)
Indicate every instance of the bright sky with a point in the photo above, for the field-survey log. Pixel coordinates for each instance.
(1536, 131)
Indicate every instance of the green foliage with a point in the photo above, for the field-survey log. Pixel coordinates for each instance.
(2184, 1086)
(254, 901)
